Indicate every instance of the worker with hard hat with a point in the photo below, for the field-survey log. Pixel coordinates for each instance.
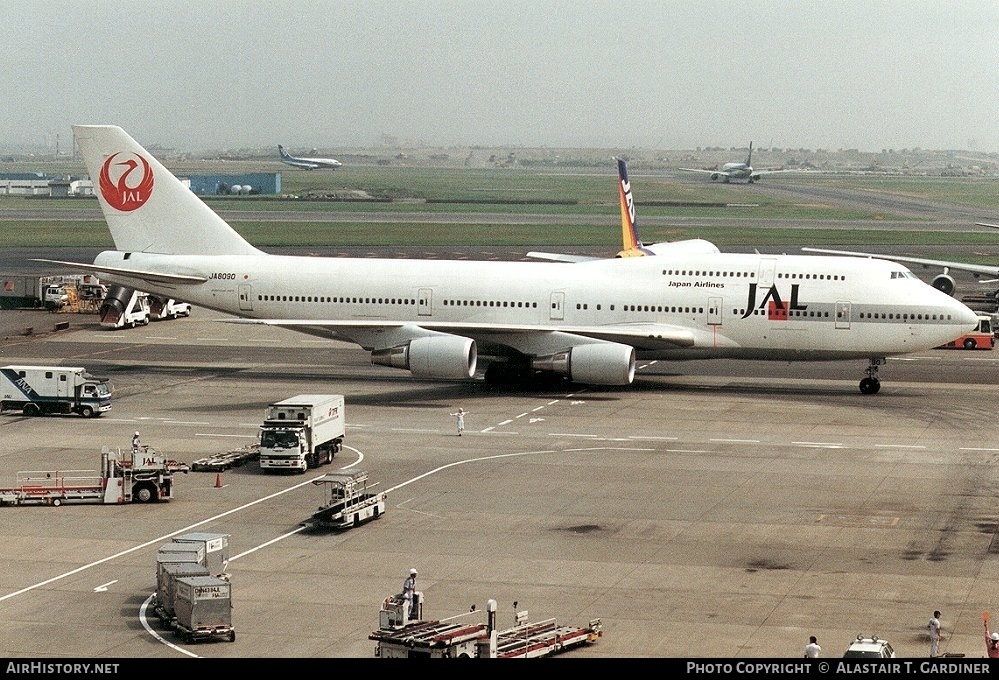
(135, 442)
(408, 590)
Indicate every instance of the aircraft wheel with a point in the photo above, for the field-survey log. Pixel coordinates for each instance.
(969, 344)
(870, 386)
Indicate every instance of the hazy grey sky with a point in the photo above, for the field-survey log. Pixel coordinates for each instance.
(214, 74)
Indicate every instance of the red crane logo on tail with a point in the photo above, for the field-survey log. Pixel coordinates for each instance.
(119, 194)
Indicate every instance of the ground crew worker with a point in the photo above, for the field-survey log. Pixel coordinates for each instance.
(460, 415)
(934, 627)
(812, 649)
(991, 639)
(408, 591)
(135, 443)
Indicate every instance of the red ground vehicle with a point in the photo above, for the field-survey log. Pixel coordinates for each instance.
(980, 338)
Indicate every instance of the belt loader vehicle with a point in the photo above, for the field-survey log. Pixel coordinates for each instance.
(124, 477)
(459, 638)
(38, 390)
(302, 432)
(348, 501)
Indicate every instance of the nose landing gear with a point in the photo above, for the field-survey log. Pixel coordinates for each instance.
(871, 384)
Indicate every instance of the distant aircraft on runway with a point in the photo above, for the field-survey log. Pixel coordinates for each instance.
(587, 322)
(308, 163)
(738, 171)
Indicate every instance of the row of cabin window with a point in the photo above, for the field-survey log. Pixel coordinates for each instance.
(752, 275)
(335, 300)
(863, 315)
(905, 317)
(489, 303)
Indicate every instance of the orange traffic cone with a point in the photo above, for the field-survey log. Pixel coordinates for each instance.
(218, 480)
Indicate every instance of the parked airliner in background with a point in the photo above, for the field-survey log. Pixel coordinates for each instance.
(944, 281)
(308, 163)
(631, 243)
(586, 321)
(738, 171)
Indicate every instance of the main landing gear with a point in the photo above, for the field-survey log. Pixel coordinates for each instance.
(871, 384)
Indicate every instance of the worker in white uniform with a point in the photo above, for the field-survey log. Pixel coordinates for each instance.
(408, 590)
(460, 416)
(934, 627)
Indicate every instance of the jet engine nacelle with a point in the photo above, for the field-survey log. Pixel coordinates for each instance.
(714, 176)
(606, 363)
(438, 357)
(944, 283)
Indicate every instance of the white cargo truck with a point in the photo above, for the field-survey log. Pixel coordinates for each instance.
(302, 432)
(38, 390)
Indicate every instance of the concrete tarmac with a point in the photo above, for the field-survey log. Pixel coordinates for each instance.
(710, 510)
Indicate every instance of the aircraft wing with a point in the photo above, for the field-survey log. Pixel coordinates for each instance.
(960, 266)
(638, 335)
(561, 257)
(153, 277)
(706, 172)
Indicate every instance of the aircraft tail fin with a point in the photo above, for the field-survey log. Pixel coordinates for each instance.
(283, 152)
(749, 158)
(147, 209)
(631, 243)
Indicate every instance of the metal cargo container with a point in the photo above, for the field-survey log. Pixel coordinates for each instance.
(172, 553)
(216, 547)
(203, 608)
(166, 586)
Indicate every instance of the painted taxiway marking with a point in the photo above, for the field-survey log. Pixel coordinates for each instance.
(820, 445)
(103, 588)
(977, 449)
(240, 436)
(160, 337)
(736, 441)
(145, 624)
(160, 539)
(898, 446)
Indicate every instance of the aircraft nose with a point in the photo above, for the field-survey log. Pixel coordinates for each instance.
(964, 315)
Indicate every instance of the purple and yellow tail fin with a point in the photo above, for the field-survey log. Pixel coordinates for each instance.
(631, 244)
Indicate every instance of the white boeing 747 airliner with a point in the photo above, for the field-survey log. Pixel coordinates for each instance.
(588, 321)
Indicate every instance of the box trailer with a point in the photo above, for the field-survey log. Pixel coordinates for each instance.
(40, 390)
(302, 432)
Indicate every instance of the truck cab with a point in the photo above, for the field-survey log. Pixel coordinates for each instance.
(982, 337)
(54, 296)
